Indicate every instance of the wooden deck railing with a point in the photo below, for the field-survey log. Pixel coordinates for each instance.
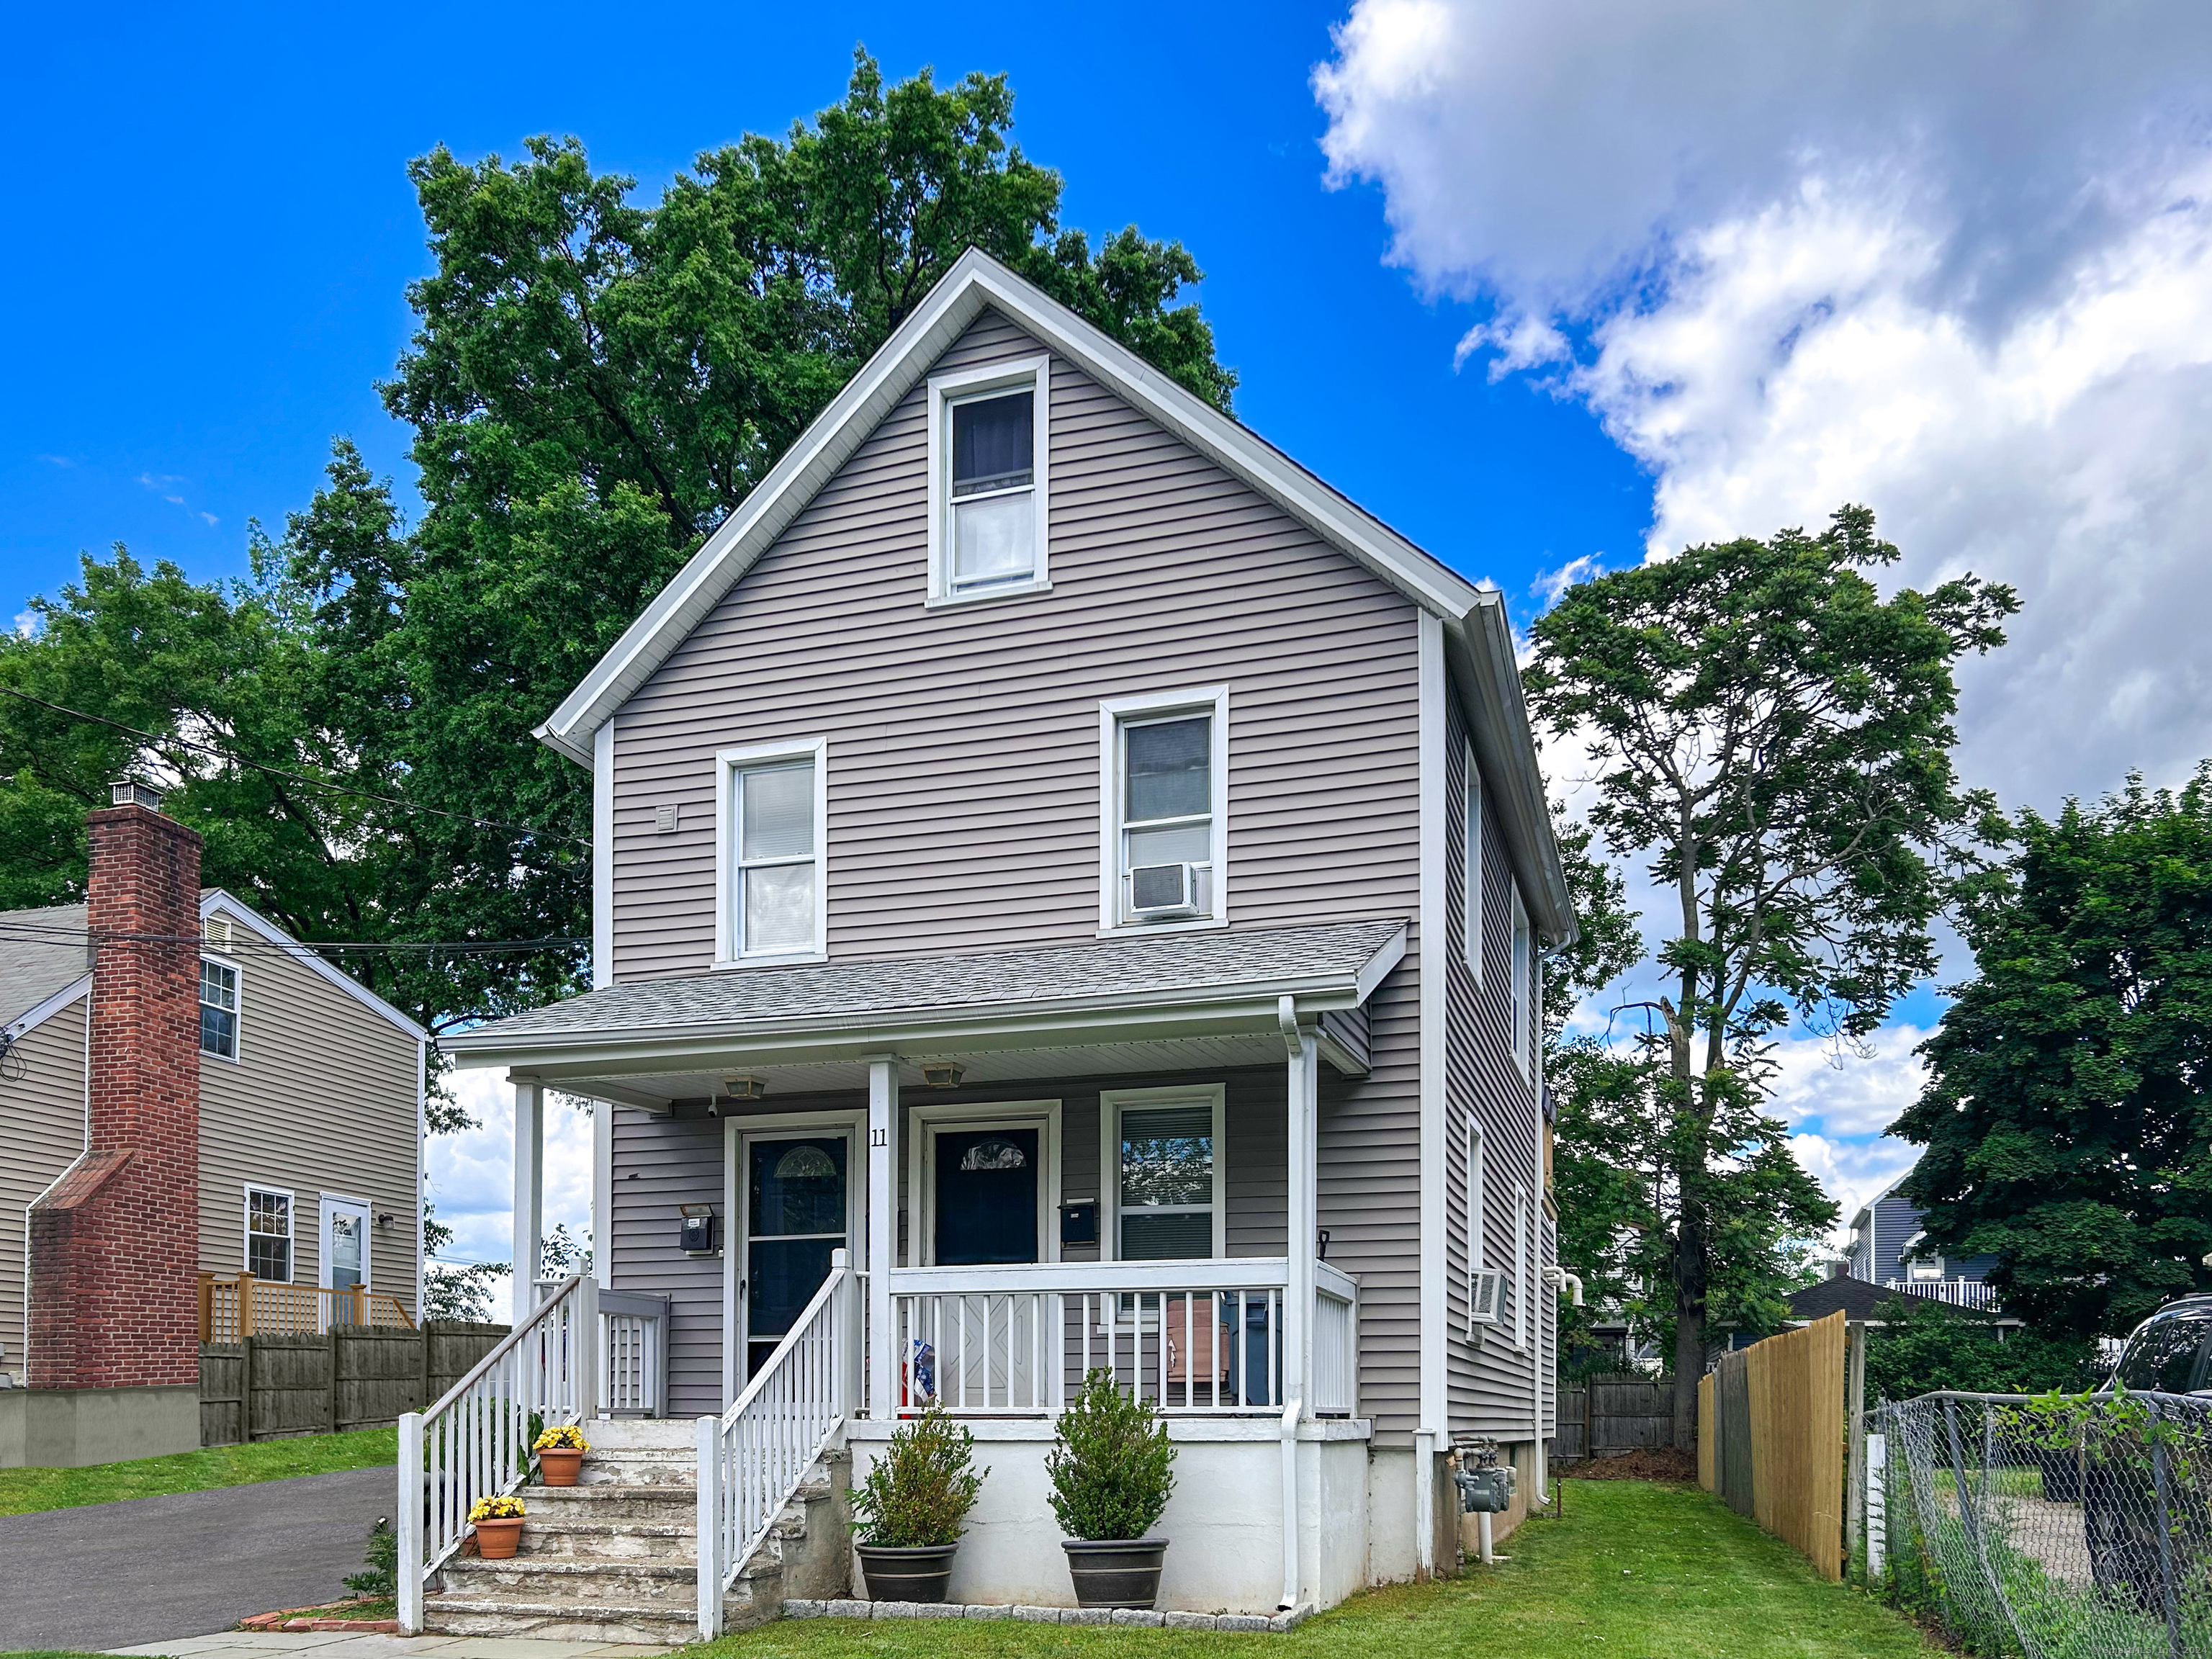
(236, 1306)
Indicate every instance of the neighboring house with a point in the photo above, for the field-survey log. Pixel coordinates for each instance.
(1052, 847)
(1887, 1250)
(188, 1095)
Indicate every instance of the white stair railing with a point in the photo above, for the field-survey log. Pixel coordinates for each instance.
(753, 1457)
(475, 1442)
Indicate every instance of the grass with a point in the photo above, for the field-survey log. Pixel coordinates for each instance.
(1633, 1571)
(23, 1491)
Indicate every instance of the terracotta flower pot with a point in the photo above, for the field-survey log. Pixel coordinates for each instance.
(893, 1572)
(557, 1466)
(1115, 1572)
(496, 1540)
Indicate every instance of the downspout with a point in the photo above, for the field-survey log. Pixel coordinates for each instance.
(1289, 1429)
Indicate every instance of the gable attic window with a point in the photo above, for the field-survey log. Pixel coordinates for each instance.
(770, 809)
(987, 489)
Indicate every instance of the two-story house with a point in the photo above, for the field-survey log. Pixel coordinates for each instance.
(1075, 884)
(202, 1121)
(1887, 1250)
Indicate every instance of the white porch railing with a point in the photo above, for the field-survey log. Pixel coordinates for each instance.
(634, 1337)
(752, 1458)
(475, 1442)
(1959, 1292)
(1193, 1337)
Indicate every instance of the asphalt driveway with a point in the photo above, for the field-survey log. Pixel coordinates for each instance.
(162, 1569)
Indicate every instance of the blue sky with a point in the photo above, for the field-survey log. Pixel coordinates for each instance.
(1547, 287)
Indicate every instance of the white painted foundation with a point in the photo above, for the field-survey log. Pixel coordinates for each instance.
(1224, 1520)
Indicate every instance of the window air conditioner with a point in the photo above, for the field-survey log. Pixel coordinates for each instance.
(1485, 1299)
(1163, 889)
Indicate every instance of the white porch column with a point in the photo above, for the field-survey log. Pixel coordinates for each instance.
(883, 1233)
(603, 1193)
(529, 1189)
(1303, 1205)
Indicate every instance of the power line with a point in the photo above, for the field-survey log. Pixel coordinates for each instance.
(44, 934)
(296, 777)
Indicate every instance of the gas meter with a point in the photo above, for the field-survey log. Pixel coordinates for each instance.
(1486, 1490)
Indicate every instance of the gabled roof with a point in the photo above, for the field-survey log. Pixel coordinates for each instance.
(44, 961)
(1478, 637)
(213, 899)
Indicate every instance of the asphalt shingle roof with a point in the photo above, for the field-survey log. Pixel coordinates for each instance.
(41, 950)
(1166, 965)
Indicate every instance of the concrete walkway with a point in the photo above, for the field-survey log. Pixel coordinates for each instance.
(263, 1644)
(170, 1568)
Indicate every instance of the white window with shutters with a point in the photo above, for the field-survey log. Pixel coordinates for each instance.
(771, 809)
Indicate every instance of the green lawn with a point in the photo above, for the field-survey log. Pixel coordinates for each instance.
(1633, 1571)
(23, 1491)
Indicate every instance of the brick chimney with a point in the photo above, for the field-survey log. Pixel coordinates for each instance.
(115, 1245)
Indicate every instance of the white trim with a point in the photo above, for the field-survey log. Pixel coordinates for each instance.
(39, 1013)
(729, 951)
(1524, 985)
(958, 386)
(1523, 1293)
(850, 1122)
(1470, 896)
(1432, 1427)
(291, 1228)
(922, 1124)
(1477, 1197)
(1115, 713)
(422, 1164)
(603, 856)
(1112, 1102)
(237, 972)
(331, 1202)
(603, 1192)
(306, 955)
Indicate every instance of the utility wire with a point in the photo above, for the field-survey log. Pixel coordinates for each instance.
(43, 933)
(295, 777)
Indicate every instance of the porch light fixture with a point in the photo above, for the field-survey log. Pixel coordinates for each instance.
(742, 1086)
(942, 1074)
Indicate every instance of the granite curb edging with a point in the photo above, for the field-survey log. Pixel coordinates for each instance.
(1252, 1622)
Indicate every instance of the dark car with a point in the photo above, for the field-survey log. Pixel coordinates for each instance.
(2170, 1356)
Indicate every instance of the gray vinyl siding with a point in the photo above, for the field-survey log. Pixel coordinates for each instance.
(964, 739)
(41, 1132)
(1896, 1221)
(323, 1099)
(1492, 1385)
(661, 1163)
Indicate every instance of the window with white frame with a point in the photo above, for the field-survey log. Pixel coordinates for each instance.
(1524, 985)
(773, 807)
(1169, 1184)
(268, 1233)
(1523, 1295)
(1164, 789)
(1471, 870)
(218, 1010)
(1481, 1292)
(988, 440)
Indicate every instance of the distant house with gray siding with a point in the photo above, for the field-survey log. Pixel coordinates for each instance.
(1887, 1249)
(1053, 849)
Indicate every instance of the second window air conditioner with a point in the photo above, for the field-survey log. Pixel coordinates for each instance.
(1486, 1297)
(1165, 890)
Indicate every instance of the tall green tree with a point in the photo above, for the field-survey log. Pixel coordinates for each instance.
(2068, 1114)
(1771, 740)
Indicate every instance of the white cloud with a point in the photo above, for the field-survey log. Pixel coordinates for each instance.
(472, 1179)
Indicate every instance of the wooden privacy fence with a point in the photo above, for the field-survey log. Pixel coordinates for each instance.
(1771, 1437)
(352, 1377)
(236, 1306)
(1606, 1416)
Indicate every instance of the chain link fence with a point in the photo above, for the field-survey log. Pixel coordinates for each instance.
(2062, 1527)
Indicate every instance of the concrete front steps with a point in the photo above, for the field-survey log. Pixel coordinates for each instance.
(615, 1559)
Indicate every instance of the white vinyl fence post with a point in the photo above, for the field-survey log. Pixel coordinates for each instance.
(710, 1527)
(1877, 1506)
(408, 1518)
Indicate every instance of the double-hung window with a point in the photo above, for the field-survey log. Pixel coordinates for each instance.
(1522, 1297)
(268, 1233)
(988, 445)
(1163, 1151)
(1165, 787)
(1524, 984)
(218, 1010)
(1471, 864)
(772, 808)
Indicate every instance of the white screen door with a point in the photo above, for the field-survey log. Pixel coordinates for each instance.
(345, 1253)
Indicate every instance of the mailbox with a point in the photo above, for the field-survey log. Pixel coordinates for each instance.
(698, 1230)
(1486, 1490)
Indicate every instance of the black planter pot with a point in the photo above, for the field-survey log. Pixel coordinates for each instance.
(919, 1572)
(1115, 1572)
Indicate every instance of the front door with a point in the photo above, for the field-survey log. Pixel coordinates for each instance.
(345, 1254)
(795, 1215)
(986, 1196)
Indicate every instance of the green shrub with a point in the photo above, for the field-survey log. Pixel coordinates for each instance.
(381, 1576)
(1112, 1469)
(921, 1489)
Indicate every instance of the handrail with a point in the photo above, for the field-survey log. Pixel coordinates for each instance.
(474, 1443)
(1241, 1272)
(753, 1457)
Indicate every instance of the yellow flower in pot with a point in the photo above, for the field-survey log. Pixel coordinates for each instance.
(560, 1454)
(498, 1521)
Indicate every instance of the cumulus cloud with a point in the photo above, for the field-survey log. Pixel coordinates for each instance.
(1953, 260)
(471, 1175)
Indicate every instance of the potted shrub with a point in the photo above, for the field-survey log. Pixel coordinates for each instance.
(498, 1521)
(1112, 1469)
(560, 1455)
(907, 1512)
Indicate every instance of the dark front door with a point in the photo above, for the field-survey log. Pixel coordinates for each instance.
(987, 1196)
(794, 1217)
